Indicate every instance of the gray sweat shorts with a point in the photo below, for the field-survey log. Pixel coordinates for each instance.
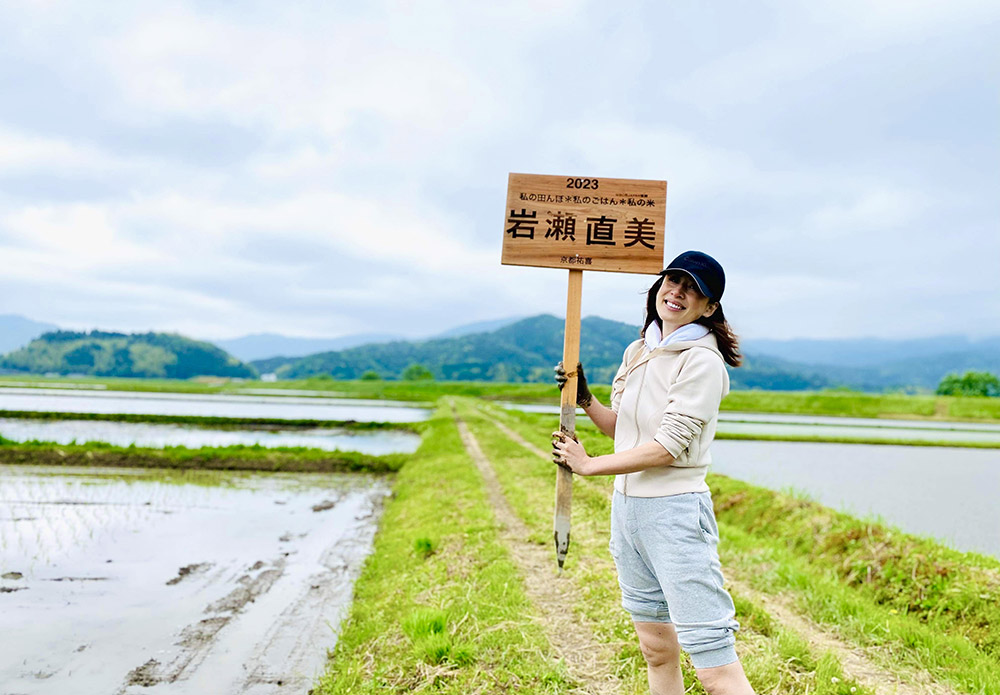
(665, 549)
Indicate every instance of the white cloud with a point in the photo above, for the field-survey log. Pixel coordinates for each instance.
(365, 184)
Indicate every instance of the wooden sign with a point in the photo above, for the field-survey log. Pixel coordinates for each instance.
(614, 225)
(585, 223)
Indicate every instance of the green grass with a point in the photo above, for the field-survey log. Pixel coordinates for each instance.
(973, 408)
(917, 576)
(440, 605)
(956, 593)
(217, 422)
(890, 638)
(419, 391)
(238, 457)
(123, 384)
(911, 602)
(776, 660)
(832, 403)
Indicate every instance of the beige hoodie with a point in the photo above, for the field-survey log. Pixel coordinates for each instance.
(669, 395)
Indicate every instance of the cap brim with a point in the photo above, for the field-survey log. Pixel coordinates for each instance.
(697, 280)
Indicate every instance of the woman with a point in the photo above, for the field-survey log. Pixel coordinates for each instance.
(664, 409)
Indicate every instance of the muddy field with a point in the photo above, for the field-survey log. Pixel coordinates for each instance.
(137, 581)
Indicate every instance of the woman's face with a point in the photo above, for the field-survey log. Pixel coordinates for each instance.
(680, 302)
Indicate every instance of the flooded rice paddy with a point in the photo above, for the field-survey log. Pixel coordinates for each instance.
(141, 581)
(869, 428)
(217, 405)
(777, 424)
(145, 581)
(375, 443)
(945, 493)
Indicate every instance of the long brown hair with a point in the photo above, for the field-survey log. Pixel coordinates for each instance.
(729, 344)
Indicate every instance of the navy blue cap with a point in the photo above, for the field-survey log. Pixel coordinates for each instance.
(705, 270)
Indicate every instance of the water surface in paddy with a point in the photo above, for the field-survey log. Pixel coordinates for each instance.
(375, 443)
(216, 405)
(943, 492)
(146, 581)
(778, 424)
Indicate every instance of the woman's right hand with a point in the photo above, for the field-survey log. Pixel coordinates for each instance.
(583, 395)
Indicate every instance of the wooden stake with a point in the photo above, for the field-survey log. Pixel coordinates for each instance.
(567, 412)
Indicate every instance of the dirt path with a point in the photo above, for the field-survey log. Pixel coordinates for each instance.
(853, 659)
(552, 594)
(856, 664)
(515, 437)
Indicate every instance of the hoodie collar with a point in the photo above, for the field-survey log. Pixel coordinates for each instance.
(690, 331)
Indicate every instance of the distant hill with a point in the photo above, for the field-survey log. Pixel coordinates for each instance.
(268, 351)
(100, 353)
(524, 351)
(262, 346)
(882, 365)
(17, 331)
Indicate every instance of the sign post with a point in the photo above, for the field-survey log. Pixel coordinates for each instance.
(581, 223)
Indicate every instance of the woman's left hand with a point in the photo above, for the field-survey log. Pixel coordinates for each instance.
(569, 453)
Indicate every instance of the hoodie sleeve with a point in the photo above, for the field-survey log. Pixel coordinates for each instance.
(692, 400)
(618, 385)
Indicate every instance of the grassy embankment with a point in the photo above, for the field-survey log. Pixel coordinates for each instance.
(912, 606)
(238, 457)
(910, 602)
(437, 556)
(439, 605)
(213, 421)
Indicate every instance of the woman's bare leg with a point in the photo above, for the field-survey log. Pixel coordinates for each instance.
(725, 680)
(658, 642)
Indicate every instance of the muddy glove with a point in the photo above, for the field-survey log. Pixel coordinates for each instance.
(557, 457)
(583, 395)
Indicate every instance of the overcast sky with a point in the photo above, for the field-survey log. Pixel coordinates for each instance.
(329, 168)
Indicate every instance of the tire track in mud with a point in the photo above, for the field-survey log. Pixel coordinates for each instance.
(853, 659)
(571, 636)
(196, 639)
(271, 633)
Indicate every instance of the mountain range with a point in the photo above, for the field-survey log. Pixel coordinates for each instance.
(522, 351)
(525, 349)
(17, 331)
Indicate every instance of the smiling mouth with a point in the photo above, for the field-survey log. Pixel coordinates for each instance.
(673, 306)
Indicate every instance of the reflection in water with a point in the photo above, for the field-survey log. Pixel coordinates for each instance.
(375, 443)
(945, 493)
(218, 405)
